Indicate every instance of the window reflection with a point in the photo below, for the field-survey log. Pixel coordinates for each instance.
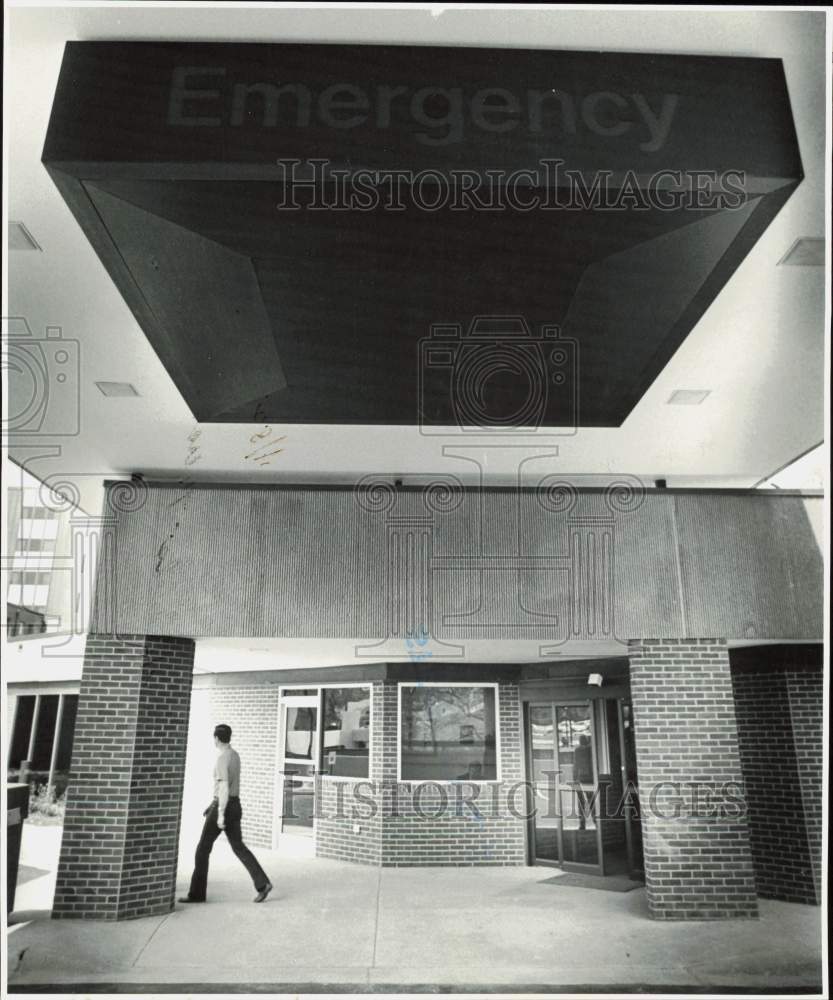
(346, 741)
(448, 733)
(300, 733)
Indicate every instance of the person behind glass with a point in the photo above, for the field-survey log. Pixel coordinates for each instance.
(224, 813)
(583, 775)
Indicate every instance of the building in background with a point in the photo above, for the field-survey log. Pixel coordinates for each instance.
(44, 593)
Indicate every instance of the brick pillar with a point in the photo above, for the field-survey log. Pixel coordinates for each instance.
(781, 743)
(698, 863)
(121, 830)
(805, 689)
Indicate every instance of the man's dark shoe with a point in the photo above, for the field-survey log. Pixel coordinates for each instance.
(188, 899)
(263, 893)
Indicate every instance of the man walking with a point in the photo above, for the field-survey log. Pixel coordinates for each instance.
(224, 813)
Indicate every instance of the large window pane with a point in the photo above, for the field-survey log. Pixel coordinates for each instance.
(448, 733)
(300, 734)
(346, 742)
(22, 729)
(67, 732)
(45, 732)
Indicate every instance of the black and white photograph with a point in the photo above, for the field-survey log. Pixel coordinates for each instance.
(415, 499)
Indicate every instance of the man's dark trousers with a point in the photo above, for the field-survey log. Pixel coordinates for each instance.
(210, 832)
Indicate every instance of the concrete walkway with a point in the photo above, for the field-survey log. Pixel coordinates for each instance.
(331, 926)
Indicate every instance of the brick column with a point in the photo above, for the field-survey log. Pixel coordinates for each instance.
(698, 863)
(783, 785)
(121, 830)
(805, 689)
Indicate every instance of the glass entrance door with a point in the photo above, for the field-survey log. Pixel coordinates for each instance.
(564, 827)
(577, 785)
(581, 759)
(544, 833)
(300, 741)
(630, 797)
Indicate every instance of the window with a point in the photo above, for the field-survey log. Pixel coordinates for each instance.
(35, 545)
(300, 733)
(23, 577)
(24, 621)
(37, 513)
(448, 733)
(345, 747)
(45, 720)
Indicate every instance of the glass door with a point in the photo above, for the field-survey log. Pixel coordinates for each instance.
(577, 785)
(581, 761)
(564, 827)
(630, 794)
(300, 741)
(544, 829)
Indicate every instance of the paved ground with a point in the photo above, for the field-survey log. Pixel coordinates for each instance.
(347, 926)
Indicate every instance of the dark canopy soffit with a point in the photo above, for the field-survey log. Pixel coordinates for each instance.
(168, 155)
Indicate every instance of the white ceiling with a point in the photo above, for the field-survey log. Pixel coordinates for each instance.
(760, 348)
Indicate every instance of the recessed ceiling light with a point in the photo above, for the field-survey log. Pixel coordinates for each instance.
(116, 389)
(806, 252)
(21, 239)
(688, 397)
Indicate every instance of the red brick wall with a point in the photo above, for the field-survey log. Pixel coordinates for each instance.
(779, 714)
(698, 863)
(121, 829)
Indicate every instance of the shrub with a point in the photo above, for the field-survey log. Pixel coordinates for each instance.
(45, 806)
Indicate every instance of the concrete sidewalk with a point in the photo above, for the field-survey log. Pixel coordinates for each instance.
(330, 926)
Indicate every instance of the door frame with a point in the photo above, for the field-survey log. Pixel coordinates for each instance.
(630, 837)
(571, 866)
(298, 843)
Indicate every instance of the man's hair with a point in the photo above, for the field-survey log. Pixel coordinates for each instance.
(223, 733)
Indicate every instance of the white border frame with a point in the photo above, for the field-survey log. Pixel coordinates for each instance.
(449, 781)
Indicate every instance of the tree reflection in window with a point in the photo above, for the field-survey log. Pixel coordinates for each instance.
(448, 733)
